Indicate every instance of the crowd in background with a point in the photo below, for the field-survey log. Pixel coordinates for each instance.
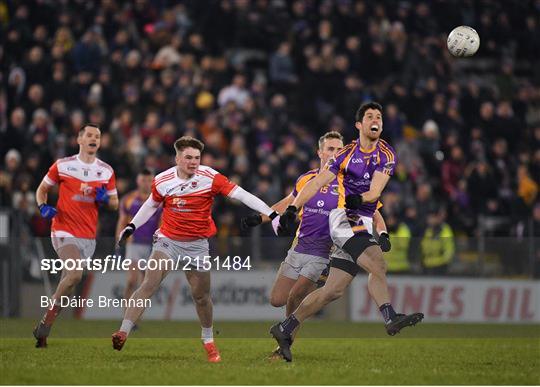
(259, 81)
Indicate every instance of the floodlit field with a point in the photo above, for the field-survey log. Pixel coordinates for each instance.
(80, 352)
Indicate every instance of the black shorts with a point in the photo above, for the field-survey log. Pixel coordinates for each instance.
(345, 258)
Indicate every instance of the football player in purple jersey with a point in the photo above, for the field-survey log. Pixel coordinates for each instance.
(362, 170)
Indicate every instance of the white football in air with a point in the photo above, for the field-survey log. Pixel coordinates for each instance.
(463, 41)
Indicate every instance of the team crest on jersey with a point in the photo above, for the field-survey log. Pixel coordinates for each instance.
(86, 171)
(194, 184)
(86, 189)
(99, 173)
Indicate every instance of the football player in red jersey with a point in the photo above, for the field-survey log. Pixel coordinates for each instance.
(85, 183)
(187, 192)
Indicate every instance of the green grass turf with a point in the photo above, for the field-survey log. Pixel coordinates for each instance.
(167, 352)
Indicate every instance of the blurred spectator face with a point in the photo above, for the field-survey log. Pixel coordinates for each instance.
(352, 43)
(329, 148)
(536, 212)
(342, 63)
(486, 111)
(423, 192)
(188, 160)
(504, 109)
(12, 160)
(35, 94)
(77, 119)
(17, 117)
(89, 140)
(500, 147)
(35, 55)
(284, 49)
(456, 153)
(434, 219)
(152, 120)
(239, 81)
(40, 118)
(144, 183)
(133, 59)
(431, 129)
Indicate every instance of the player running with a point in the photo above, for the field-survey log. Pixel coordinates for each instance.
(362, 169)
(305, 266)
(85, 183)
(141, 246)
(187, 192)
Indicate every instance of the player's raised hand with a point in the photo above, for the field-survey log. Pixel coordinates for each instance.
(125, 234)
(46, 211)
(287, 221)
(353, 201)
(101, 195)
(250, 221)
(384, 242)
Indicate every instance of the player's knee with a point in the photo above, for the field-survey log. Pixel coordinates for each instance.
(201, 299)
(277, 301)
(333, 293)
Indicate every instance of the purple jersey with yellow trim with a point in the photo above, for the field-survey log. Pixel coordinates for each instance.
(354, 168)
(130, 205)
(313, 235)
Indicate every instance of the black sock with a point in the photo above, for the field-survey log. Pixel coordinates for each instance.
(387, 312)
(289, 325)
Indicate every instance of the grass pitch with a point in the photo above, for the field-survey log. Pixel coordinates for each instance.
(167, 352)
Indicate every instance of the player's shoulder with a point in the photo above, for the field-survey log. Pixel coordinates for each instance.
(207, 171)
(103, 164)
(165, 176)
(384, 145)
(309, 174)
(64, 160)
(347, 148)
(386, 149)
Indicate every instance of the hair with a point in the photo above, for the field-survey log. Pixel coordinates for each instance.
(81, 130)
(327, 135)
(362, 110)
(146, 172)
(188, 142)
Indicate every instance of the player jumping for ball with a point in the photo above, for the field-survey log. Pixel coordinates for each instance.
(362, 169)
(85, 182)
(305, 266)
(187, 192)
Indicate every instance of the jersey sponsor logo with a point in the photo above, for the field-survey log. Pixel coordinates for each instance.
(320, 203)
(366, 175)
(86, 189)
(179, 202)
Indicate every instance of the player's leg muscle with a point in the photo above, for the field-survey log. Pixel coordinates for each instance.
(200, 292)
(70, 278)
(281, 289)
(373, 262)
(299, 291)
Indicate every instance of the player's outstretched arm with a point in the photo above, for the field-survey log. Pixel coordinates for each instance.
(252, 202)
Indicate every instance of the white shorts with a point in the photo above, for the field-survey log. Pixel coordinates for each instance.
(63, 238)
(189, 253)
(342, 228)
(138, 251)
(305, 265)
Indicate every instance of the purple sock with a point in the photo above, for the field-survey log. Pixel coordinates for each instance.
(289, 325)
(387, 312)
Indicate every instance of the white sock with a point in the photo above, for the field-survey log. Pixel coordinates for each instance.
(207, 335)
(126, 326)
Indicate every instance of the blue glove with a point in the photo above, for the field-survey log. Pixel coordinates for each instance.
(46, 211)
(101, 195)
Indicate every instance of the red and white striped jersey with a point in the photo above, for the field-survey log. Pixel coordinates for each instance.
(78, 181)
(187, 204)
